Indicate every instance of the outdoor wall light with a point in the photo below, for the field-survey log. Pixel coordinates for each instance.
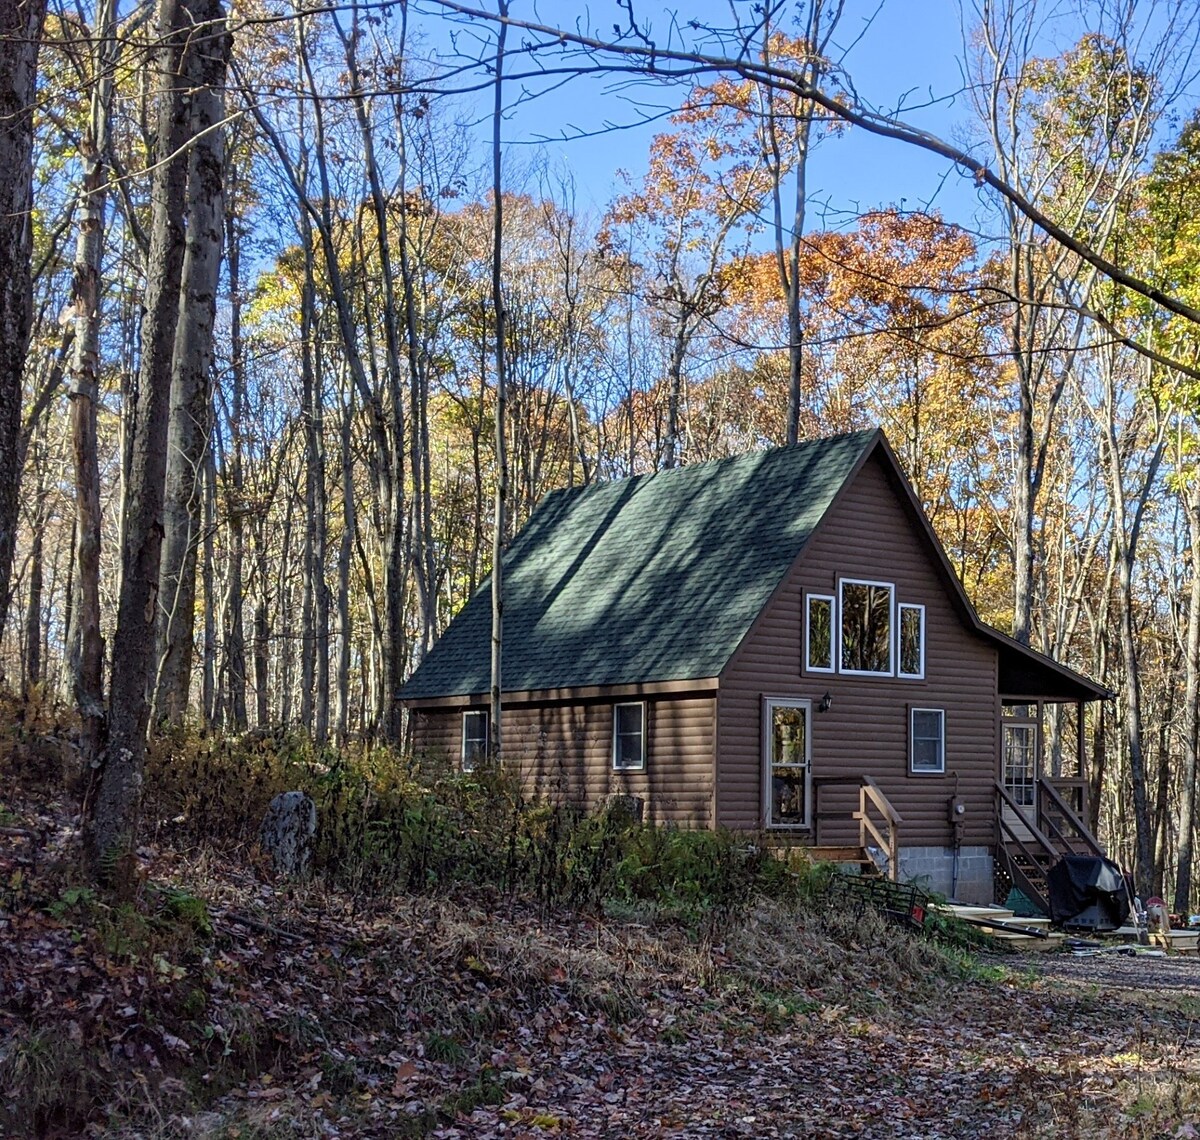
(825, 703)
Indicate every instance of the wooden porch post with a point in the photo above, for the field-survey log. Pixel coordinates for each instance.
(1080, 741)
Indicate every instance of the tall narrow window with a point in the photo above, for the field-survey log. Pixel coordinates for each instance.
(927, 740)
(474, 739)
(911, 653)
(866, 621)
(629, 737)
(818, 634)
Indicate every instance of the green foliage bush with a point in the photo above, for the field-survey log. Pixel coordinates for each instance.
(383, 825)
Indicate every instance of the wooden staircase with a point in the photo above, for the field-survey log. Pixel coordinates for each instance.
(1034, 837)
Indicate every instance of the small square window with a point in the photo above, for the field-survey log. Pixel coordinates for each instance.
(927, 740)
(474, 739)
(629, 737)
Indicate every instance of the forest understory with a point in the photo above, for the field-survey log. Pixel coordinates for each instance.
(412, 994)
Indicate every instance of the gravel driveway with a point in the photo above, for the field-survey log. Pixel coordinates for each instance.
(1178, 974)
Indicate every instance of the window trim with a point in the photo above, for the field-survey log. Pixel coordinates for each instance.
(912, 740)
(769, 704)
(891, 588)
(616, 720)
(900, 608)
(470, 763)
(833, 628)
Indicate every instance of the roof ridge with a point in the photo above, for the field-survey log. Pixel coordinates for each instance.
(667, 474)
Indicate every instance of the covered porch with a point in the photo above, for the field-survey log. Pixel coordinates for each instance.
(1047, 717)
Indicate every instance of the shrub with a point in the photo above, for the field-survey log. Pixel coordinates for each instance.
(380, 829)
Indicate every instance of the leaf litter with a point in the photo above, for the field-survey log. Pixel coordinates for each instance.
(262, 1008)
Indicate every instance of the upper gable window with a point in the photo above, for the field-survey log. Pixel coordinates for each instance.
(818, 633)
(866, 612)
(910, 654)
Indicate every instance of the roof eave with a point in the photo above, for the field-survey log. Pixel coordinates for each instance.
(1087, 689)
(675, 687)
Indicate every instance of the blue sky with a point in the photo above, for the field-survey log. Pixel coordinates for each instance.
(905, 54)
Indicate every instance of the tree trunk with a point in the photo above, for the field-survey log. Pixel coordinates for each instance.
(115, 794)
(208, 689)
(235, 624)
(1191, 709)
(33, 613)
(497, 688)
(679, 345)
(320, 549)
(1126, 532)
(262, 647)
(191, 367)
(345, 551)
(88, 676)
(20, 34)
(283, 674)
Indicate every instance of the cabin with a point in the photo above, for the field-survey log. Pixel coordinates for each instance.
(775, 644)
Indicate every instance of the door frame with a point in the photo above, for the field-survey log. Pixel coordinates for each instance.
(766, 740)
(1033, 722)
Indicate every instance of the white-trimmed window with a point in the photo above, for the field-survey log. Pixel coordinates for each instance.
(866, 610)
(474, 738)
(910, 641)
(926, 741)
(818, 633)
(629, 737)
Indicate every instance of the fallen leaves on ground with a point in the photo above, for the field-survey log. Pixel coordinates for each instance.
(280, 1010)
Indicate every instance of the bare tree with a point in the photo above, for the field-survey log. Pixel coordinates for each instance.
(498, 523)
(191, 365)
(791, 150)
(115, 792)
(85, 386)
(20, 35)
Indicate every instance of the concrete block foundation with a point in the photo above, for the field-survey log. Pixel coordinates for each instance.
(933, 869)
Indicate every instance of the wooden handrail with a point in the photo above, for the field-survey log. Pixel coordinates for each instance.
(1031, 827)
(1089, 840)
(1056, 832)
(1067, 785)
(871, 794)
(873, 790)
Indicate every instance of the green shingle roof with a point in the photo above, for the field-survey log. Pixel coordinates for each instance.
(653, 578)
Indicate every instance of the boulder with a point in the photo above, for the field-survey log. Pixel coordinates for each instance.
(288, 833)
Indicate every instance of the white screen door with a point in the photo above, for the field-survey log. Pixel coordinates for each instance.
(787, 756)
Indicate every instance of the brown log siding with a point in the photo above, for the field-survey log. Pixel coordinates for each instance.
(869, 534)
(564, 753)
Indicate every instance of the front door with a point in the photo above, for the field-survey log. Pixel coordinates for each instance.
(1019, 759)
(787, 758)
